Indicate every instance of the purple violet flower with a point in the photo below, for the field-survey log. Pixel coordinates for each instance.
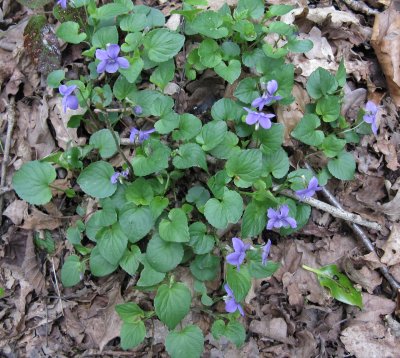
(280, 218)
(237, 257)
(310, 190)
(265, 252)
(231, 305)
(62, 3)
(69, 100)
(109, 59)
(137, 110)
(139, 135)
(115, 177)
(369, 117)
(268, 96)
(259, 119)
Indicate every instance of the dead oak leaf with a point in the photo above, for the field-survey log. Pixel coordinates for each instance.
(392, 247)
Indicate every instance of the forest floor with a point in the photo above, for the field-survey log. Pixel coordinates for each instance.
(288, 315)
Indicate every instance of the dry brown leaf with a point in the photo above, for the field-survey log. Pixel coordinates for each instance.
(374, 307)
(106, 325)
(31, 267)
(37, 220)
(17, 211)
(32, 125)
(367, 278)
(306, 347)
(386, 43)
(59, 120)
(291, 115)
(276, 329)
(392, 247)
(371, 340)
(389, 151)
(391, 208)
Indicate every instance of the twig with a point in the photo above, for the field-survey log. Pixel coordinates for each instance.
(334, 211)
(10, 127)
(113, 110)
(362, 236)
(360, 7)
(56, 284)
(4, 190)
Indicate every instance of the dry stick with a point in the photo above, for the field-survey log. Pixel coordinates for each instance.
(334, 211)
(10, 127)
(360, 7)
(361, 235)
(57, 287)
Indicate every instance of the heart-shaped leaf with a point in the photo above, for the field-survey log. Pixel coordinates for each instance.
(229, 73)
(175, 229)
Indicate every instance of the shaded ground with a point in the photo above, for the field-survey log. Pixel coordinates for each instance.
(289, 315)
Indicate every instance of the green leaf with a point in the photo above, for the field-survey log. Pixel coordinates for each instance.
(210, 53)
(105, 35)
(175, 229)
(271, 139)
(276, 163)
(132, 334)
(234, 331)
(299, 46)
(133, 23)
(190, 155)
(258, 270)
(103, 140)
(72, 271)
(31, 182)
(229, 73)
(154, 158)
(343, 167)
(98, 220)
(167, 123)
(163, 256)
(238, 281)
(255, 8)
(228, 210)
(329, 108)
(305, 130)
(212, 134)
(246, 165)
(130, 261)
(162, 44)
(281, 28)
(55, 77)
(199, 241)
(34, 4)
(226, 109)
(112, 10)
(163, 74)
(254, 219)
(136, 222)
(149, 276)
(210, 24)
(129, 312)
(198, 195)
(332, 145)
(154, 17)
(95, 180)
(339, 285)
(341, 74)
(132, 42)
(230, 50)
(112, 242)
(205, 267)
(321, 83)
(187, 343)
(140, 192)
(133, 71)
(69, 32)
(172, 303)
(227, 148)
(99, 266)
(74, 235)
(247, 90)
(189, 127)
(278, 10)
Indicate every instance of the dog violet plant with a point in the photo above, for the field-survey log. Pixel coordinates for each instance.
(185, 178)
